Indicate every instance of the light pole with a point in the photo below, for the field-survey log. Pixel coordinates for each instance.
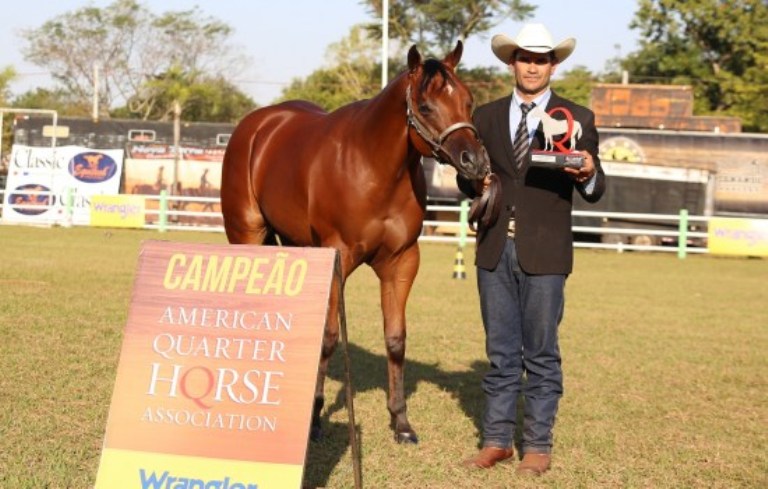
(384, 42)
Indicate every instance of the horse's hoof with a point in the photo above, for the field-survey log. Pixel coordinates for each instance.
(407, 437)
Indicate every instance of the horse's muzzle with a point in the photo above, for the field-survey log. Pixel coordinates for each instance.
(474, 165)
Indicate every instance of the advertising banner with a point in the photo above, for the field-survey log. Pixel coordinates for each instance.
(218, 368)
(117, 211)
(150, 169)
(55, 185)
(738, 236)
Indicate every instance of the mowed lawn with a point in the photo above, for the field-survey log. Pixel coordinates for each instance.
(664, 359)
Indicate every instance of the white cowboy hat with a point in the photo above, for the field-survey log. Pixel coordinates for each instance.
(534, 38)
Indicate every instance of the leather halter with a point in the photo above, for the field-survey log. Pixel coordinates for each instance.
(484, 210)
(436, 143)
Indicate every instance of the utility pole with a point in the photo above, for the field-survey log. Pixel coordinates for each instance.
(95, 110)
(384, 42)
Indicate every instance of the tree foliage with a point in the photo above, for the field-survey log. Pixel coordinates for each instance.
(575, 84)
(7, 75)
(353, 74)
(718, 46)
(132, 48)
(58, 99)
(435, 25)
(486, 83)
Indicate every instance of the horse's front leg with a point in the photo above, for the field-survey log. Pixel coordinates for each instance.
(396, 275)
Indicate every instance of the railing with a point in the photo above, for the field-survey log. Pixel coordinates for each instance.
(679, 233)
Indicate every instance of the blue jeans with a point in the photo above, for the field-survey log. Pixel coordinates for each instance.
(521, 314)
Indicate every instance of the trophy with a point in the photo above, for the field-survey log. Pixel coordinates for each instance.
(555, 153)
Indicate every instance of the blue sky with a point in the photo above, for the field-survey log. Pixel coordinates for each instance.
(286, 39)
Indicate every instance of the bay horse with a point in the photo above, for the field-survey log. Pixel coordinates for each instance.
(352, 179)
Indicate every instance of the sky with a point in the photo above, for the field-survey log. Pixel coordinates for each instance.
(287, 39)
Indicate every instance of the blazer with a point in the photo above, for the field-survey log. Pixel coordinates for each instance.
(539, 199)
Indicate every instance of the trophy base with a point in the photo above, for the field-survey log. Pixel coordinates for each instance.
(551, 159)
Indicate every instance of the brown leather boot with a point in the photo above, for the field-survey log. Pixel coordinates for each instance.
(534, 464)
(489, 456)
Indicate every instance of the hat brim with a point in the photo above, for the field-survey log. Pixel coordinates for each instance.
(503, 47)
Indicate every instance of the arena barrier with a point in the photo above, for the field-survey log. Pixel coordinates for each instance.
(677, 233)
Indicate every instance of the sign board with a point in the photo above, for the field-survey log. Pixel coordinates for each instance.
(117, 211)
(736, 236)
(218, 368)
(54, 185)
(56, 131)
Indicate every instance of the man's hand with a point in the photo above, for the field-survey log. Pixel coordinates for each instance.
(587, 170)
(482, 185)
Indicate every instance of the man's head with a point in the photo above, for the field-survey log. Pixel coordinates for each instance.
(532, 57)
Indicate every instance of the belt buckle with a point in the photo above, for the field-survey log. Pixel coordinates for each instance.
(511, 228)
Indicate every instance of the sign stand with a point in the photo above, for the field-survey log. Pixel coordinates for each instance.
(218, 367)
(353, 442)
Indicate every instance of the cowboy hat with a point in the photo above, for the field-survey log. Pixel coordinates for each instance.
(534, 38)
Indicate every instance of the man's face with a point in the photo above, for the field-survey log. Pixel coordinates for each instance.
(532, 71)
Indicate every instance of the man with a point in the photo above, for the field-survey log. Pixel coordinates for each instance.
(523, 258)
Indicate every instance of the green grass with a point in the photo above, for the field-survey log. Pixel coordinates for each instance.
(665, 365)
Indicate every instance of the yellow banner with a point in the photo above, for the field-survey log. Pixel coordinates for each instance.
(126, 469)
(744, 237)
(117, 211)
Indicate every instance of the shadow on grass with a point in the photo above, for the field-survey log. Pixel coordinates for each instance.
(324, 456)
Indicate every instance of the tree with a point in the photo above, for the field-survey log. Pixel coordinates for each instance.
(436, 25)
(7, 75)
(131, 47)
(353, 74)
(58, 99)
(201, 98)
(719, 47)
(575, 84)
(486, 83)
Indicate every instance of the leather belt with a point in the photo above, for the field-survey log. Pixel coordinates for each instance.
(511, 228)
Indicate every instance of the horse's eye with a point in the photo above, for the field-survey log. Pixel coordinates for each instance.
(424, 109)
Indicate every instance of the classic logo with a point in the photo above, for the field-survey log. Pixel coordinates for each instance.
(31, 200)
(92, 167)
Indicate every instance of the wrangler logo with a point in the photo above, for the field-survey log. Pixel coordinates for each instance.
(167, 481)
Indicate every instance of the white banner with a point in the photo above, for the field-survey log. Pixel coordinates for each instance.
(54, 185)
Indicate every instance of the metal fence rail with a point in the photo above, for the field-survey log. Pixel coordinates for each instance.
(444, 224)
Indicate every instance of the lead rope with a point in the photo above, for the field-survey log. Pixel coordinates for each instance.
(485, 208)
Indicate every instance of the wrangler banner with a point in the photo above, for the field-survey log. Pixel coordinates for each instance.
(218, 367)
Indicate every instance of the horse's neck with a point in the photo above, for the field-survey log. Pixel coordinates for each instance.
(385, 126)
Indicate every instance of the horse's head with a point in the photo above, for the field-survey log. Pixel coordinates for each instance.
(440, 114)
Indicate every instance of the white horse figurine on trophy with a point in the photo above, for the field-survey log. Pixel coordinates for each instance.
(553, 127)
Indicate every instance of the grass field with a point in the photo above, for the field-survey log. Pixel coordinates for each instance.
(665, 369)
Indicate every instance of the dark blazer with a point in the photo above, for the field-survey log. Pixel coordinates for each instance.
(540, 198)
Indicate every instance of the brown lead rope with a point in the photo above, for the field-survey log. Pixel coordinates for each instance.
(484, 209)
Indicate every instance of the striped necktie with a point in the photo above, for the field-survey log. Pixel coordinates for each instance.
(520, 144)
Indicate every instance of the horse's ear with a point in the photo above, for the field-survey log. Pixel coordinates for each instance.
(454, 57)
(414, 58)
